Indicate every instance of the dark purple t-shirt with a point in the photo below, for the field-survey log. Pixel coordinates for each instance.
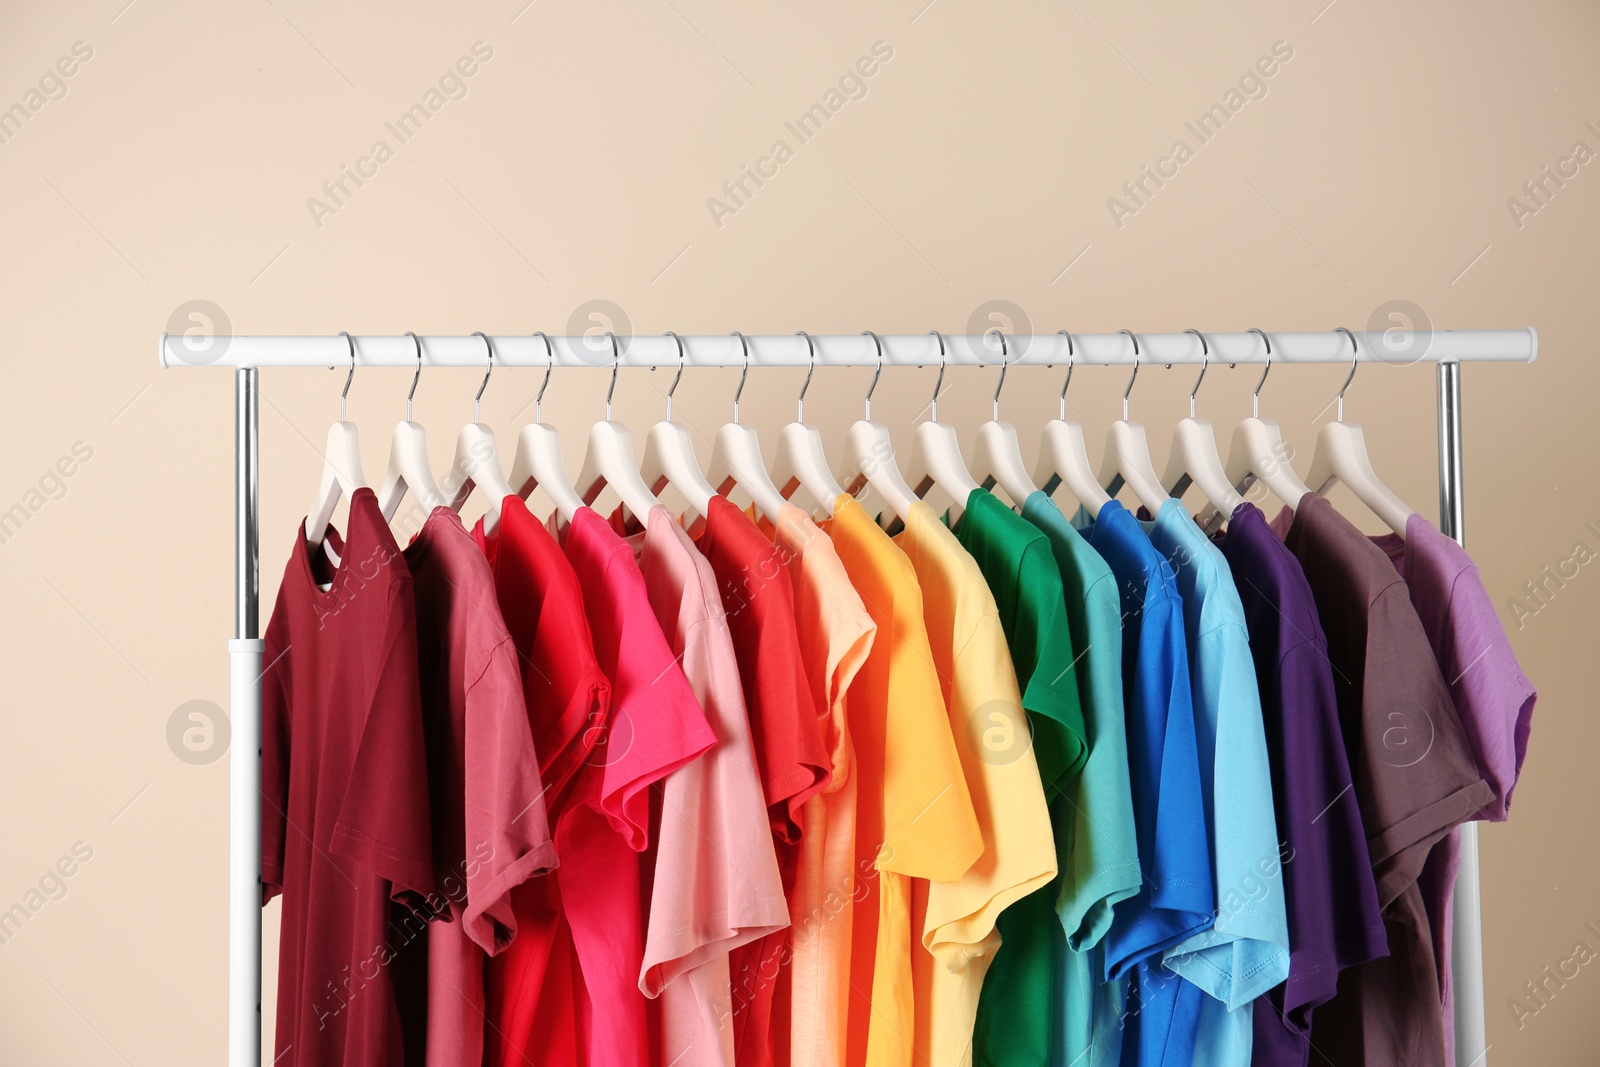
(1334, 919)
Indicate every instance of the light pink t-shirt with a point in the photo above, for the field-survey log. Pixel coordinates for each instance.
(716, 884)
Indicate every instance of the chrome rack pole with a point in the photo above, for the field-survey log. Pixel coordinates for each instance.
(244, 755)
(1466, 967)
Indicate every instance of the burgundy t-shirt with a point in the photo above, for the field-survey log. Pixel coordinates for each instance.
(345, 826)
(489, 825)
(1329, 891)
(1415, 779)
(786, 728)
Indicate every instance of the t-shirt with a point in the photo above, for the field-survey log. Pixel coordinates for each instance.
(836, 634)
(1019, 996)
(654, 727)
(567, 698)
(1415, 779)
(345, 827)
(716, 884)
(1176, 898)
(1329, 894)
(1492, 695)
(1097, 844)
(758, 598)
(993, 741)
(914, 814)
(490, 832)
(1246, 951)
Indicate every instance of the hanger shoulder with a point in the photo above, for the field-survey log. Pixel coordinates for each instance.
(669, 458)
(1127, 459)
(341, 476)
(871, 451)
(1259, 452)
(936, 461)
(538, 462)
(997, 460)
(1341, 455)
(1064, 460)
(736, 459)
(1195, 458)
(609, 462)
(802, 463)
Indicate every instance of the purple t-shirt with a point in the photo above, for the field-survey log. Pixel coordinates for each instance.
(1495, 700)
(1332, 899)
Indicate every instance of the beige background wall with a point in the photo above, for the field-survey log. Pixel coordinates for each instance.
(177, 160)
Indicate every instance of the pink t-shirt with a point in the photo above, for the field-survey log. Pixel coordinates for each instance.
(654, 727)
(489, 827)
(716, 883)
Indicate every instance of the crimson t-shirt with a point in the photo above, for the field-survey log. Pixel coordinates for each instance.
(345, 825)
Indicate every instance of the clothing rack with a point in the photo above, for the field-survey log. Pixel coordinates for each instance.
(1447, 349)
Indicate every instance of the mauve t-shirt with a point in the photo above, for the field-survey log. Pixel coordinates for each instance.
(1332, 900)
(490, 832)
(345, 827)
(1415, 779)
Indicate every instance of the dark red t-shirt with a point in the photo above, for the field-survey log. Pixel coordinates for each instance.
(345, 826)
(786, 728)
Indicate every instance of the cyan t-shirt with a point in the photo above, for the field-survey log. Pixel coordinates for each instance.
(1098, 846)
(1175, 901)
(1246, 951)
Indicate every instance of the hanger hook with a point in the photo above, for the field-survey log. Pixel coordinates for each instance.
(1205, 361)
(1355, 354)
(616, 361)
(676, 378)
(939, 382)
(737, 393)
(488, 344)
(871, 388)
(349, 377)
(811, 366)
(1005, 365)
(1070, 357)
(417, 342)
(1129, 390)
(1255, 398)
(549, 365)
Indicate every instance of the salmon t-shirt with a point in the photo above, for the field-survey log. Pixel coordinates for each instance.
(490, 832)
(836, 635)
(996, 749)
(716, 884)
(914, 814)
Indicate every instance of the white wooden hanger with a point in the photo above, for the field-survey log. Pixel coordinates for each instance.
(409, 468)
(538, 460)
(477, 461)
(669, 456)
(997, 457)
(1258, 451)
(1194, 457)
(1341, 456)
(1063, 457)
(936, 460)
(341, 469)
(609, 459)
(1127, 454)
(801, 462)
(871, 451)
(736, 456)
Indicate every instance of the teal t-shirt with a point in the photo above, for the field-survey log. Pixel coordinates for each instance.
(1016, 1007)
(1246, 951)
(1100, 860)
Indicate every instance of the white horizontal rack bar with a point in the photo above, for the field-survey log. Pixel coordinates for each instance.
(858, 350)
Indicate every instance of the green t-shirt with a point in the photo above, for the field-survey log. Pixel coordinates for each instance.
(1018, 1004)
(1101, 864)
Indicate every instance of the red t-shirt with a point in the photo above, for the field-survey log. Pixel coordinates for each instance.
(567, 698)
(345, 825)
(786, 727)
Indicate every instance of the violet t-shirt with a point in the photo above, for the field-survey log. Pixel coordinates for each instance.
(1331, 898)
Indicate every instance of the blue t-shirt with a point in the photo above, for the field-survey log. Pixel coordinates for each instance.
(1246, 951)
(1176, 900)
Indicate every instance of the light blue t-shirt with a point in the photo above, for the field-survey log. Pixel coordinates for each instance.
(1246, 951)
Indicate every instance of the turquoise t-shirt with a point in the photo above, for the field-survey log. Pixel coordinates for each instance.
(1246, 951)
(1100, 850)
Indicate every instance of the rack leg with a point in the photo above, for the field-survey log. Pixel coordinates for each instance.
(1466, 967)
(244, 756)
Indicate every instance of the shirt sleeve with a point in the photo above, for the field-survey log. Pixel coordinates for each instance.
(507, 833)
(384, 822)
(275, 747)
(1042, 646)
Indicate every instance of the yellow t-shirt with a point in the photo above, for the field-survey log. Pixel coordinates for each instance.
(1002, 776)
(914, 816)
